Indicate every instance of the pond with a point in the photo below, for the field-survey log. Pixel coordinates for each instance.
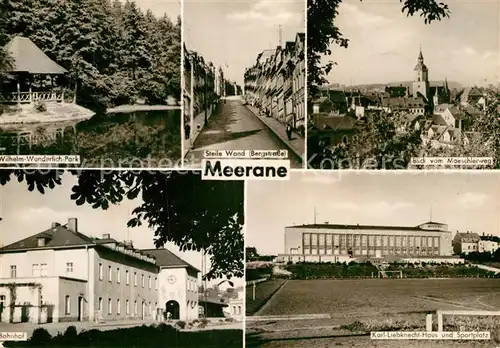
(125, 139)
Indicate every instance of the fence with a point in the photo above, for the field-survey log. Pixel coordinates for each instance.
(441, 313)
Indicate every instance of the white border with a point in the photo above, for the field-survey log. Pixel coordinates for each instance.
(183, 83)
(306, 116)
(245, 192)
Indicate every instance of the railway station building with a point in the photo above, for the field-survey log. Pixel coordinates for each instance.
(63, 275)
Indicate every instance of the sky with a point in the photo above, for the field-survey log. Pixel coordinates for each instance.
(159, 7)
(27, 213)
(384, 43)
(464, 201)
(234, 32)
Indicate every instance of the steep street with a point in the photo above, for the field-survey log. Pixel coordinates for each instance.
(235, 127)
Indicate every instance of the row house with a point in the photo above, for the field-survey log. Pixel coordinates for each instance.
(201, 84)
(276, 83)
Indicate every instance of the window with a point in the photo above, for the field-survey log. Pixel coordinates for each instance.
(127, 277)
(142, 280)
(118, 307)
(110, 306)
(41, 242)
(100, 304)
(135, 307)
(13, 271)
(127, 307)
(239, 310)
(149, 308)
(118, 280)
(110, 274)
(43, 269)
(135, 278)
(67, 305)
(35, 272)
(100, 271)
(156, 283)
(69, 267)
(149, 282)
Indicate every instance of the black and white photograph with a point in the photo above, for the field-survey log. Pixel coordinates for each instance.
(121, 259)
(244, 77)
(402, 79)
(334, 256)
(95, 79)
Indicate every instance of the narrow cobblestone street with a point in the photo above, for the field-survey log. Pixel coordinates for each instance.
(235, 127)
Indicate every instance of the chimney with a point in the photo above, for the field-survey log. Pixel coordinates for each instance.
(106, 236)
(55, 224)
(73, 225)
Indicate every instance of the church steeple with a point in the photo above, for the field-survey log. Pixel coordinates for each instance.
(421, 82)
(421, 56)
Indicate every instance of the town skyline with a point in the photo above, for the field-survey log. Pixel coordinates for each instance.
(232, 34)
(384, 42)
(463, 201)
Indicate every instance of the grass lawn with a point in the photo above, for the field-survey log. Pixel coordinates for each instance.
(361, 306)
(376, 297)
(263, 292)
(366, 342)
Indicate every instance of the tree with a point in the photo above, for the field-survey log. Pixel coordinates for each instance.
(113, 51)
(382, 141)
(322, 32)
(179, 207)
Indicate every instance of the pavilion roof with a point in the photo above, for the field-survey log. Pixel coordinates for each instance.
(27, 57)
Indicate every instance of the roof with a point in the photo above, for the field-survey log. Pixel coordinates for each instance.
(27, 57)
(439, 120)
(321, 100)
(336, 122)
(167, 259)
(212, 300)
(403, 102)
(467, 237)
(59, 236)
(420, 66)
(366, 227)
(410, 117)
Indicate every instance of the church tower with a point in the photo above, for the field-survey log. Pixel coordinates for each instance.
(421, 80)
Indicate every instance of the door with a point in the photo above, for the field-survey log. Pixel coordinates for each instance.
(2, 308)
(173, 309)
(80, 308)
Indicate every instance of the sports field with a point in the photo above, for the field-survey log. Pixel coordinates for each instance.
(344, 307)
(382, 297)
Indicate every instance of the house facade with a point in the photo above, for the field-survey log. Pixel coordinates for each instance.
(276, 83)
(61, 274)
(465, 242)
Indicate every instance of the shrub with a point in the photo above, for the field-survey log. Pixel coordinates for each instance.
(205, 321)
(202, 326)
(40, 337)
(181, 324)
(229, 320)
(71, 332)
(40, 107)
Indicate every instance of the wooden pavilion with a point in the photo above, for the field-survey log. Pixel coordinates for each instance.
(33, 109)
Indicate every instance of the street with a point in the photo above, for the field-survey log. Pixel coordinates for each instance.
(236, 128)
